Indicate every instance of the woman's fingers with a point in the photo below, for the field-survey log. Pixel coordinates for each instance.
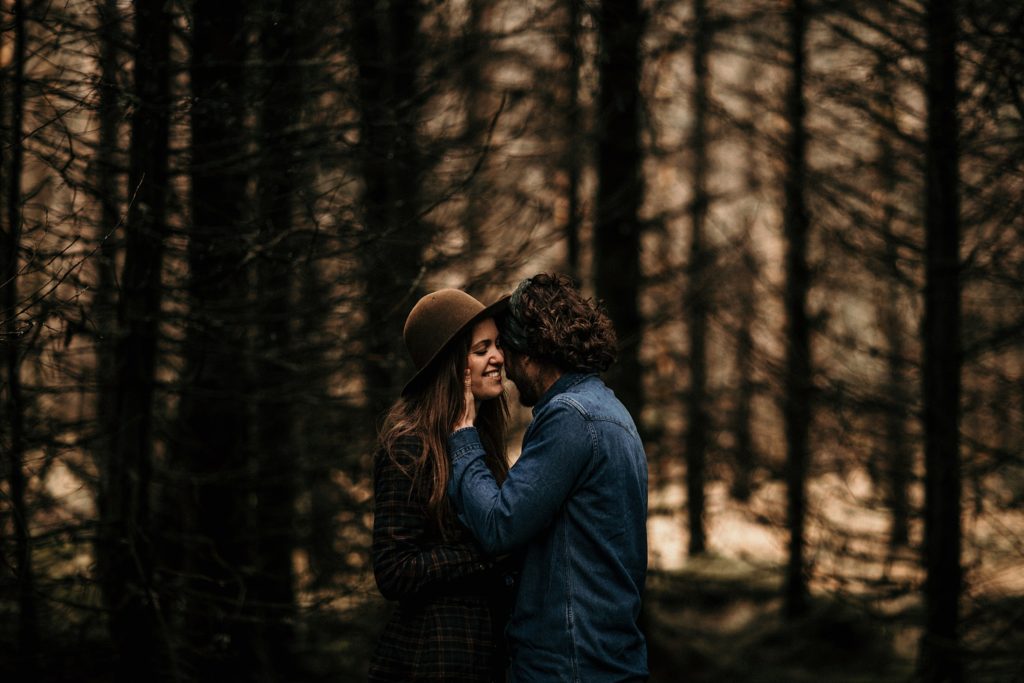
(469, 404)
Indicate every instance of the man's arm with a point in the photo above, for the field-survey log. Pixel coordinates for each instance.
(556, 449)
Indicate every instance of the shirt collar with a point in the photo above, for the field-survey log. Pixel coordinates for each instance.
(561, 385)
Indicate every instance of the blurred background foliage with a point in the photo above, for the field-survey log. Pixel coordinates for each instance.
(804, 217)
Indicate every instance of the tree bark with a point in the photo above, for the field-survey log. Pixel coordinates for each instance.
(215, 404)
(273, 580)
(11, 335)
(573, 160)
(745, 455)
(617, 229)
(897, 455)
(386, 45)
(939, 658)
(897, 466)
(108, 195)
(797, 383)
(477, 121)
(697, 294)
(126, 541)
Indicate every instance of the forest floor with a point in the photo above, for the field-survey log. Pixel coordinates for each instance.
(711, 618)
(714, 619)
(722, 620)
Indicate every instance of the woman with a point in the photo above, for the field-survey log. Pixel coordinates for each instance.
(452, 600)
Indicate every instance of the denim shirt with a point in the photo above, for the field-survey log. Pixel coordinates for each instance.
(575, 505)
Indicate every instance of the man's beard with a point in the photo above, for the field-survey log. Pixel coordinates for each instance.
(527, 386)
(528, 394)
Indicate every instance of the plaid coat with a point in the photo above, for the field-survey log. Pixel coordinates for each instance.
(453, 602)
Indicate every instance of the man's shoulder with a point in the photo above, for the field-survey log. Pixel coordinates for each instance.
(594, 401)
(590, 396)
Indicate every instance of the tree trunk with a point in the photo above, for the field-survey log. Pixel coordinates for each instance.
(477, 121)
(126, 541)
(939, 658)
(697, 294)
(314, 432)
(215, 402)
(108, 195)
(386, 45)
(573, 160)
(897, 454)
(273, 582)
(797, 399)
(745, 455)
(617, 274)
(11, 334)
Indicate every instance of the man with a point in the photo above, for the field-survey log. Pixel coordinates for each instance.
(574, 504)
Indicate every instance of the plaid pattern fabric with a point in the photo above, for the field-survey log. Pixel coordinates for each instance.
(450, 617)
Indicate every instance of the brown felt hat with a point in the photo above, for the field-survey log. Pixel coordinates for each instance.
(435, 321)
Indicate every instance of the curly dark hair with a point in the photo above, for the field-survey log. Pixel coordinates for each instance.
(548, 318)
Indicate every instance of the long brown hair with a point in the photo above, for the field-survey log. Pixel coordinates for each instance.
(428, 413)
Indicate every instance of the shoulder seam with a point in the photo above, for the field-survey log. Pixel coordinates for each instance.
(569, 400)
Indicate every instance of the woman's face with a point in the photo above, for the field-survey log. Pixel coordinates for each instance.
(485, 361)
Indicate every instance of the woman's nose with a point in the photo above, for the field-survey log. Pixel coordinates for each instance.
(498, 357)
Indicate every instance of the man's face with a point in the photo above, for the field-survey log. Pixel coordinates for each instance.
(524, 375)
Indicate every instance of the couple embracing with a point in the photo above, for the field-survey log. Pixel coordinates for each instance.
(526, 573)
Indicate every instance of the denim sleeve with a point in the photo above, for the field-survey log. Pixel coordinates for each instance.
(556, 449)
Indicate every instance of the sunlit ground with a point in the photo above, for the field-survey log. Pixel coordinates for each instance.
(718, 616)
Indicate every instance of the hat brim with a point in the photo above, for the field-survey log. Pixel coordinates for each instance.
(491, 311)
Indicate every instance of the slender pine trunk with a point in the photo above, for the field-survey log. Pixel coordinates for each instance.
(387, 48)
(11, 340)
(573, 161)
(897, 454)
(127, 557)
(273, 581)
(696, 312)
(216, 404)
(742, 427)
(797, 399)
(617, 229)
(939, 656)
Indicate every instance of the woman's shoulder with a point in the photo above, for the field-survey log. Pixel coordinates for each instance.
(403, 451)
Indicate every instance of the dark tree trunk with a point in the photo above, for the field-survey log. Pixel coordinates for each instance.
(617, 274)
(273, 581)
(897, 453)
(315, 439)
(939, 658)
(386, 45)
(477, 122)
(126, 542)
(108, 194)
(215, 403)
(573, 162)
(797, 398)
(745, 455)
(11, 341)
(698, 290)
